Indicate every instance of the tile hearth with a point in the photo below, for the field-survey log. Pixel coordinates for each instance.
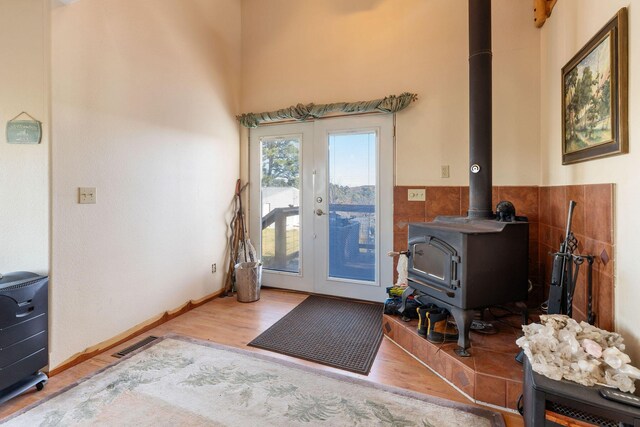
(490, 375)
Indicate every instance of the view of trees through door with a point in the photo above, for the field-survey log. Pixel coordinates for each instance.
(280, 187)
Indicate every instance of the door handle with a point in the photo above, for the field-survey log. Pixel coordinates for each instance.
(320, 212)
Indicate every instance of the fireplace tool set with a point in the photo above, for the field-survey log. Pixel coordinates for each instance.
(564, 276)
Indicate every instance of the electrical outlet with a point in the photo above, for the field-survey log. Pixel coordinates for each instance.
(416, 195)
(444, 171)
(214, 268)
(86, 195)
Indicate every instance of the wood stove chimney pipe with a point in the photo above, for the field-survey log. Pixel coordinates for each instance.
(480, 105)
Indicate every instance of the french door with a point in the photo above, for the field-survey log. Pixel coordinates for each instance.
(321, 205)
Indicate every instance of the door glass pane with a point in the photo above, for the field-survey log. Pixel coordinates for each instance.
(280, 200)
(352, 206)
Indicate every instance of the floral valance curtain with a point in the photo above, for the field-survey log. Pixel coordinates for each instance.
(301, 112)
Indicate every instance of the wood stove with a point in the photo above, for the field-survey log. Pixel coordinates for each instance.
(467, 263)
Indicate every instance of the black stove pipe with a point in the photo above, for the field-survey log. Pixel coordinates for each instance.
(480, 117)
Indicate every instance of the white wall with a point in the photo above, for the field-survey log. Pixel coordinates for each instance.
(144, 95)
(24, 169)
(336, 50)
(572, 24)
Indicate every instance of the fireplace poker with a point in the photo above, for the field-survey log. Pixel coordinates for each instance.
(557, 289)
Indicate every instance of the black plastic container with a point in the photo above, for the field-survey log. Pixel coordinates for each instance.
(24, 349)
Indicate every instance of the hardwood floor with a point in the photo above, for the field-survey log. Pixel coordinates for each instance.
(226, 321)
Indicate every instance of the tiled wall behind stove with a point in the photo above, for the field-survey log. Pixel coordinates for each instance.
(593, 227)
(546, 209)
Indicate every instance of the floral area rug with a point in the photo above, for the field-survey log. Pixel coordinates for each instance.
(179, 381)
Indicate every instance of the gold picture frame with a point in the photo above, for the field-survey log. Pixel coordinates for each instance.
(595, 96)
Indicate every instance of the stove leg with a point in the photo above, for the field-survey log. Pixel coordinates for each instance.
(524, 311)
(463, 322)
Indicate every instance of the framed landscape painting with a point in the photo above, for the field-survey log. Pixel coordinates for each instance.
(594, 96)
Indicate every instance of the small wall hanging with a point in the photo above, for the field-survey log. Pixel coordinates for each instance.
(24, 131)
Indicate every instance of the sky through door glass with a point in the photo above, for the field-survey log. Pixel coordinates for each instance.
(352, 206)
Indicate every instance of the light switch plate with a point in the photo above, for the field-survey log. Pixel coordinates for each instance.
(444, 171)
(86, 195)
(416, 195)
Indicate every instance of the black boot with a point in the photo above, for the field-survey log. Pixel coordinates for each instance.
(423, 321)
(434, 317)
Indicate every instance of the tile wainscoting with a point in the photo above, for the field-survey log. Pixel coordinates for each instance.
(593, 227)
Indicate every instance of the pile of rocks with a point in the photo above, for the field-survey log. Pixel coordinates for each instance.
(559, 347)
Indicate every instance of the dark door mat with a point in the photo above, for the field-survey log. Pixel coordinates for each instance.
(335, 332)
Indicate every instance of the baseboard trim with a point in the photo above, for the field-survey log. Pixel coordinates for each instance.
(131, 333)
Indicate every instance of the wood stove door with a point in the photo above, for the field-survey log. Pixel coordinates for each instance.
(434, 260)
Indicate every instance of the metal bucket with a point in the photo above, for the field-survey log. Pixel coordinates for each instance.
(248, 281)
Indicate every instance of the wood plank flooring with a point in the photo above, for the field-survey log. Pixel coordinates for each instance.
(226, 321)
